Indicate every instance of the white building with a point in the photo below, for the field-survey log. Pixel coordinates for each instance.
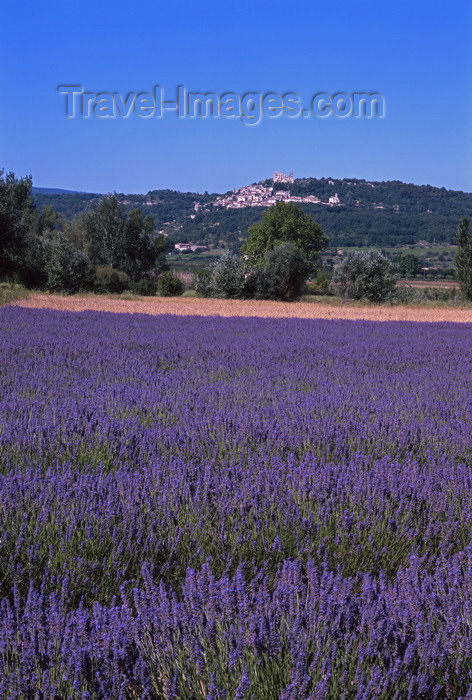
(282, 177)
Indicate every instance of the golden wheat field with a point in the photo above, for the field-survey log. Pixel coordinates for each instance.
(184, 306)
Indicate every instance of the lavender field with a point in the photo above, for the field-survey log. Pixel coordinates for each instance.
(205, 508)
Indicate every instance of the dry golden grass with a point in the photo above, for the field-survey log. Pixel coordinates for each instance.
(264, 309)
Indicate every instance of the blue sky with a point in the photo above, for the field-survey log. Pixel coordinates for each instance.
(417, 54)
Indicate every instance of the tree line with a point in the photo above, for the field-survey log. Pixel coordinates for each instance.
(420, 213)
(108, 248)
(105, 248)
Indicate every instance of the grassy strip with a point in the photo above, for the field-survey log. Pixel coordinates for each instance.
(12, 292)
(427, 297)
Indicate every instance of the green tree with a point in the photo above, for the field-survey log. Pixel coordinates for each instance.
(48, 220)
(156, 244)
(463, 258)
(228, 277)
(409, 265)
(202, 282)
(141, 253)
(17, 212)
(66, 269)
(105, 226)
(169, 285)
(285, 223)
(77, 233)
(39, 250)
(106, 279)
(125, 243)
(285, 272)
(369, 275)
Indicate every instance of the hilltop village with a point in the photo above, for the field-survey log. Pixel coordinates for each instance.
(260, 195)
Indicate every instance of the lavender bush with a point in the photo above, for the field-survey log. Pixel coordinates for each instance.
(207, 508)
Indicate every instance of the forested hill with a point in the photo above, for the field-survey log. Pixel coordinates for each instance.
(370, 213)
(55, 190)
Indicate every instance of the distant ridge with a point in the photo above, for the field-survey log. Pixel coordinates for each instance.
(351, 211)
(57, 190)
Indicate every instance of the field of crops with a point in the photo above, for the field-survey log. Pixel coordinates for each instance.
(234, 508)
(188, 306)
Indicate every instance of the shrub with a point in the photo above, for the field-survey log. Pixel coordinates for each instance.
(285, 272)
(228, 277)
(145, 287)
(66, 268)
(283, 276)
(255, 284)
(424, 295)
(169, 285)
(11, 292)
(285, 223)
(202, 283)
(463, 258)
(225, 279)
(320, 286)
(109, 280)
(368, 275)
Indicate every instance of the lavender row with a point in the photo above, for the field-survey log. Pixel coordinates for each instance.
(229, 508)
(311, 634)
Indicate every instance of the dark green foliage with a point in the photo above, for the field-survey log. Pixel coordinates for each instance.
(411, 212)
(142, 253)
(76, 232)
(320, 286)
(166, 205)
(225, 279)
(48, 220)
(285, 223)
(169, 285)
(282, 277)
(408, 264)
(345, 226)
(256, 284)
(407, 198)
(124, 242)
(410, 295)
(228, 277)
(66, 269)
(33, 272)
(463, 258)
(105, 226)
(366, 276)
(285, 272)
(202, 282)
(68, 204)
(16, 221)
(145, 287)
(109, 280)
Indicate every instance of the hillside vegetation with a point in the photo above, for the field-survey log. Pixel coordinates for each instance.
(381, 214)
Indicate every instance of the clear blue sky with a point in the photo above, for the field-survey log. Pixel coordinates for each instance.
(416, 53)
